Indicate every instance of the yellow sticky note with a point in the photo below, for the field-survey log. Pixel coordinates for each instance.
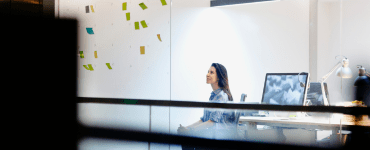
(92, 9)
(159, 37)
(142, 49)
(128, 16)
(87, 68)
(143, 6)
(292, 116)
(124, 6)
(137, 27)
(96, 54)
(143, 23)
(108, 65)
(90, 67)
(163, 2)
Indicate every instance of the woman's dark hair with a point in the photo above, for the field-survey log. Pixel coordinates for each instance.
(223, 82)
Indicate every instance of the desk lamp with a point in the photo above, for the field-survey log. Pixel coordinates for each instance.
(343, 72)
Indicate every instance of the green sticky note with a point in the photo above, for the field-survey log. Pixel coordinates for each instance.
(90, 30)
(124, 6)
(143, 24)
(163, 2)
(137, 26)
(127, 16)
(90, 67)
(86, 67)
(108, 65)
(81, 54)
(142, 5)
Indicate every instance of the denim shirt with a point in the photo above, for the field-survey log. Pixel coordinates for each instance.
(223, 118)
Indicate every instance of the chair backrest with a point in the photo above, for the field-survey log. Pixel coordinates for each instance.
(237, 116)
(242, 99)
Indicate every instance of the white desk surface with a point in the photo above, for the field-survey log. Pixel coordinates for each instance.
(321, 121)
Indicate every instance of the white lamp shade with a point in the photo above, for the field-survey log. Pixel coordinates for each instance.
(344, 72)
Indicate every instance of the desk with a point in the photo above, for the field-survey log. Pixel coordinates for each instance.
(308, 124)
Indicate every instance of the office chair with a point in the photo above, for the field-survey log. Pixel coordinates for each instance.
(237, 116)
(229, 134)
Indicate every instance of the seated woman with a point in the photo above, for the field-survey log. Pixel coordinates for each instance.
(215, 120)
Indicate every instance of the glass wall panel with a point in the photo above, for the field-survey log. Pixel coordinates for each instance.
(312, 129)
(164, 50)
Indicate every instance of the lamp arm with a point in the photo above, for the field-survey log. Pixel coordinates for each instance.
(331, 71)
(326, 101)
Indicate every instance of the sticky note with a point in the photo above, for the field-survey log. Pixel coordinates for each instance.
(143, 24)
(90, 30)
(86, 67)
(163, 2)
(128, 16)
(87, 9)
(92, 9)
(159, 37)
(292, 116)
(137, 26)
(81, 54)
(108, 65)
(142, 5)
(142, 49)
(96, 54)
(90, 67)
(124, 6)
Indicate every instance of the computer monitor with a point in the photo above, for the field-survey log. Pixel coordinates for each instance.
(285, 89)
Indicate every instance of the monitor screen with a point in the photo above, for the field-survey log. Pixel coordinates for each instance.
(285, 89)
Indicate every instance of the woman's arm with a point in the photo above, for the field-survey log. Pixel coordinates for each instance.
(204, 125)
(195, 124)
(183, 128)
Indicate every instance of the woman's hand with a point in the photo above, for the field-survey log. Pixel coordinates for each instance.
(182, 129)
(368, 74)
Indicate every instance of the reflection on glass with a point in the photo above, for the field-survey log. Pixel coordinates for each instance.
(215, 124)
(282, 127)
(109, 144)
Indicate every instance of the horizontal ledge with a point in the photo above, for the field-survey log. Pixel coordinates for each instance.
(87, 132)
(147, 102)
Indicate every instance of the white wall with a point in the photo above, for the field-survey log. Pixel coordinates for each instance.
(250, 40)
(134, 76)
(349, 38)
(117, 42)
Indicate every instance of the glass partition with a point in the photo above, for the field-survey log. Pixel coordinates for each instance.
(164, 50)
(296, 128)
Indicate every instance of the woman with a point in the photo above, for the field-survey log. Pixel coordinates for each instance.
(214, 119)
